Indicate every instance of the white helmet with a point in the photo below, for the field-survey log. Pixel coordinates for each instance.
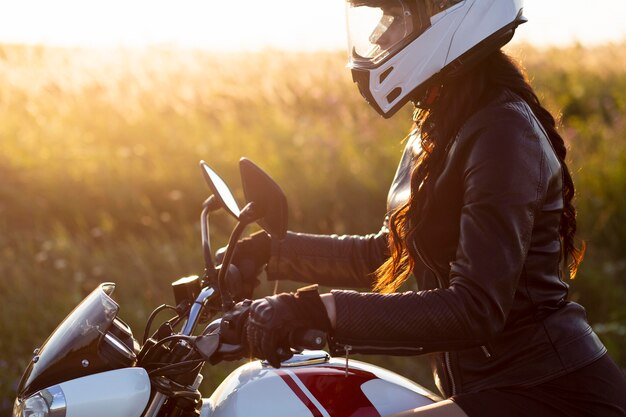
(397, 46)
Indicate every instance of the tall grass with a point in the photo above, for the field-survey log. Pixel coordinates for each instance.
(99, 177)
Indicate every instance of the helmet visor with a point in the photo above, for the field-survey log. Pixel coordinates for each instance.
(378, 28)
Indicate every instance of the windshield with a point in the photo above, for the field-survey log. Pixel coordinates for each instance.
(71, 351)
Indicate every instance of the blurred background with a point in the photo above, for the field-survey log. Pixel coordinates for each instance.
(106, 109)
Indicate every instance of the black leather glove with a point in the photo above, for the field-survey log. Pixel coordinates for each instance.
(273, 320)
(251, 255)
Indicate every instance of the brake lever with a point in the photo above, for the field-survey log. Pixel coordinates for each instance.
(207, 344)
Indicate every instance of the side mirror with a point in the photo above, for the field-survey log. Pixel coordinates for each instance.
(267, 196)
(220, 190)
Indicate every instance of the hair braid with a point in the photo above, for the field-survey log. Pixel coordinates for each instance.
(515, 79)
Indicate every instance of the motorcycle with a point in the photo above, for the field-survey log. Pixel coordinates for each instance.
(93, 366)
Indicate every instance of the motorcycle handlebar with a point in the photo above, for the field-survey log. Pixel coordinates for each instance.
(301, 339)
(311, 339)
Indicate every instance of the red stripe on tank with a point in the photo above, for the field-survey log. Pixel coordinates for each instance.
(299, 393)
(338, 393)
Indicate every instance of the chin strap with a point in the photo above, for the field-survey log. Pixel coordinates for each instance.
(432, 94)
(429, 96)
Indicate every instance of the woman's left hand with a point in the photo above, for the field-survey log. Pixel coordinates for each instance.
(273, 319)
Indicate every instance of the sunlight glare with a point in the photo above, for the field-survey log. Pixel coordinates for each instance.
(253, 25)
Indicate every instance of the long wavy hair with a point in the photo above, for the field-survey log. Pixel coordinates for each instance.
(439, 123)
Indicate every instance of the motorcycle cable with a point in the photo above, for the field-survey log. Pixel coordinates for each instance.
(180, 368)
(166, 329)
(152, 317)
(167, 340)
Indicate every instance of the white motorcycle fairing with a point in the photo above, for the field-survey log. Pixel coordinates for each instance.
(311, 384)
(120, 393)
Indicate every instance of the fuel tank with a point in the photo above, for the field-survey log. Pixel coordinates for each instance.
(313, 384)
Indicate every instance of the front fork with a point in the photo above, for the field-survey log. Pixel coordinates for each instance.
(158, 400)
(155, 405)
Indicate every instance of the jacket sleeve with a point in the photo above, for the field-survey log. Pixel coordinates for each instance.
(341, 261)
(502, 170)
(330, 260)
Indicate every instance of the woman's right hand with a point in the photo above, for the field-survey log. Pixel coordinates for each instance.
(251, 254)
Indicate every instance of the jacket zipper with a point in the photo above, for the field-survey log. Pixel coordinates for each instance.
(427, 265)
(486, 351)
(448, 367)
(355, 347)
(447, 361)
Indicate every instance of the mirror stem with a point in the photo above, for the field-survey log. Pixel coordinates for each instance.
(227, 299)
(210, 204)
(248, 215)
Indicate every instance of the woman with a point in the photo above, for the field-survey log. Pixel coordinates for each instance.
(481, 215)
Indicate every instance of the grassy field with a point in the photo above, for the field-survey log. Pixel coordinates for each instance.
(99, 177)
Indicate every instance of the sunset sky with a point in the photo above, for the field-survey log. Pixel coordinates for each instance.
(254, 24)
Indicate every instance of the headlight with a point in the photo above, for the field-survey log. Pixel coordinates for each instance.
(49, 402)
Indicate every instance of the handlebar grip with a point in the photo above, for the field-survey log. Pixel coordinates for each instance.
(311, 339)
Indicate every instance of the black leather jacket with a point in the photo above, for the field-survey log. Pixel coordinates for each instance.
(491, 302)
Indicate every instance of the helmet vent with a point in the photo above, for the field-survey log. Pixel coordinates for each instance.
(395, 93)
(385, 74)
